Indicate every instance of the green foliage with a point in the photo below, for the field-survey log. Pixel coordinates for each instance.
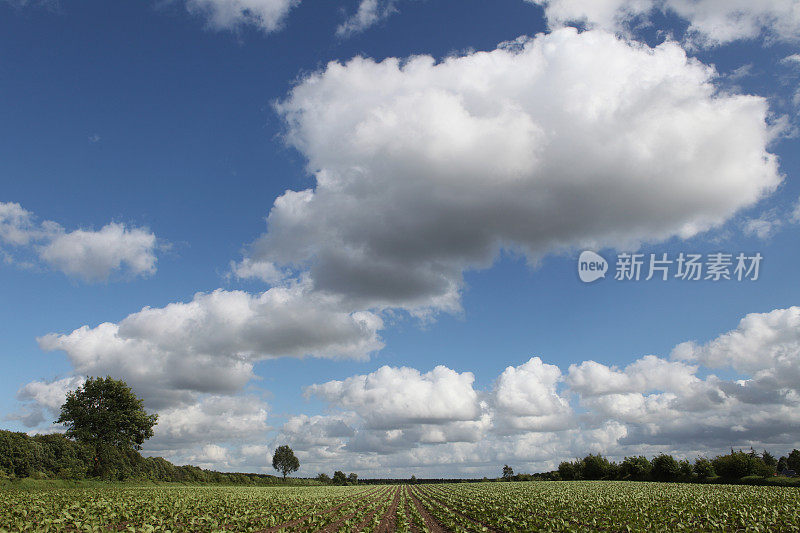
(508, 473)
(769, 459)
(612, 506)
(284, 461)
(635, 468)
(568, 470)
(685, 470)
(793, 461)
(339, 478)
(563, 507)
(159, 508)
(56, 457)
(42, 456)
(595, 467)
(703, 468)
(105, 412)
(737, 465)
(665, 468)
(323, 478)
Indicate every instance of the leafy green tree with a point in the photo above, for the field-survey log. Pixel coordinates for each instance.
(413, 479)
(635, 468)
(352, 479)
(595, 467)
(508, 473)
(324, 478)
(703, 468)
(339, 478)
(569, 470)
(769, 459)
(782, 464)
(685, 469)
(734, 465)
(104, 411)
(284, 461)
(665, 468)
(793, 461)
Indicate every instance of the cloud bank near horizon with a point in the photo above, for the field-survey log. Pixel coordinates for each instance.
(401, 420)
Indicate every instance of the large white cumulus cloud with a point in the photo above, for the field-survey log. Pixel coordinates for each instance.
(711, 22)
(401, 418)
(209, 344)
(425, 169)
(397, 397)
(765, 346)
(526, 398)
(534, 414)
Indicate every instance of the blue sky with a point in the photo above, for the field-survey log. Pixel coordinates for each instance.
(447, 203)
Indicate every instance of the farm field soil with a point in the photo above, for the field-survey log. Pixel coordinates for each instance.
(476, 507)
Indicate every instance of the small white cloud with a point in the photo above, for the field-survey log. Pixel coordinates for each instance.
(763, 227)
(94, 255)
(796, 211)
(711, 22)
(369, 13)
(267, 15)
(265, 271)
(740, 73)
(91, 255)
(94, 138)
(792, 60)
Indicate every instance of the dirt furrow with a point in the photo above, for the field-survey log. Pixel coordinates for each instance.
(331, 528)
(292, 523)
(432, 524)
(369, 517)
(389, 520)
(432, 494)
(411, 525)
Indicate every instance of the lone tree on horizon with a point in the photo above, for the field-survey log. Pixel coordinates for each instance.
(284, 460)
(106, 412)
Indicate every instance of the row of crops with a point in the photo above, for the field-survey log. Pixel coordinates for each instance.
(612, 506)
(531, 506)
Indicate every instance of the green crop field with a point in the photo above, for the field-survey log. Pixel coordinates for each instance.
(529, 506)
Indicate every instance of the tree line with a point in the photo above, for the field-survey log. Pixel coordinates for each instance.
(736, 466)
(339, 478)
(57, 457)
(106, 425)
